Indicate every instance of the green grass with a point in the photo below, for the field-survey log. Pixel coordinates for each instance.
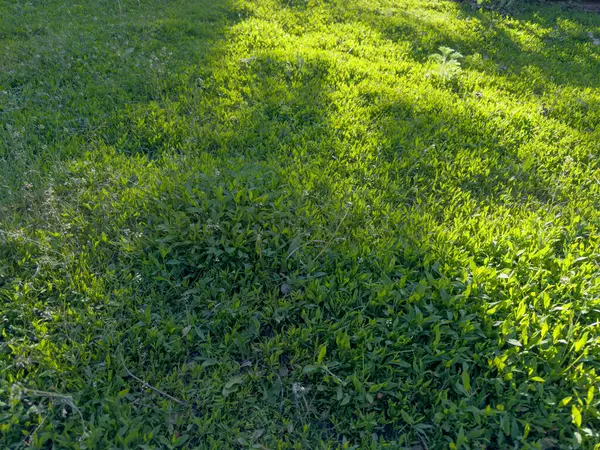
(285, 224)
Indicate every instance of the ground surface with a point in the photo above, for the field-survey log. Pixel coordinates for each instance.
(283, 224)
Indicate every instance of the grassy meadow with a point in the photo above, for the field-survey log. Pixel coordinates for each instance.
(298, 224)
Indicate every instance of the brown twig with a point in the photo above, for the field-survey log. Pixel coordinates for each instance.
(147, 385)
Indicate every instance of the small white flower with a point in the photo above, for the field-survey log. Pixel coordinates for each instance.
(297, 388)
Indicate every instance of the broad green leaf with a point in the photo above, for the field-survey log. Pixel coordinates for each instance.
(232, 385)
(406, 417)
(310, 369)
(461, 438)
(322, 353)
(526, 430)
(580, 343)
(590, 395)
(557, 332)
(520, 311)
(544, 329)
(181, 440)
(514, 342)
(576, 416)
(546, 299)
(209, 362)
(466, 380)
(565, 401)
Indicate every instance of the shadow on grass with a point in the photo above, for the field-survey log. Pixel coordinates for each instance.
(69, 88)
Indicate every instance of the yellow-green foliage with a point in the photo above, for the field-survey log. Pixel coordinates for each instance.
(288, 224)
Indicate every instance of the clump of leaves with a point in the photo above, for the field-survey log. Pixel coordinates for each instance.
(448, 63)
